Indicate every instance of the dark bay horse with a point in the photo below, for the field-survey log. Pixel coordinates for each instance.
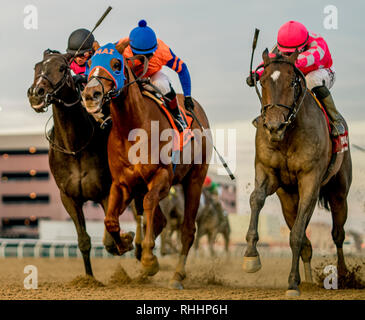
(77, 154)
(146, 183)
(293, 156)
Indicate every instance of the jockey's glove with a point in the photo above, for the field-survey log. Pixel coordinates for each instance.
(80, 79)
(250, 81)
(188, 103)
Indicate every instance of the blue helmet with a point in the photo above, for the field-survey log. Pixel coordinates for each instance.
(142, 39)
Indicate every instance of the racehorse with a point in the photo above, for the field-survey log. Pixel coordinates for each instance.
(112, 81)
(211, 221)
(77, 153)
(294, 158)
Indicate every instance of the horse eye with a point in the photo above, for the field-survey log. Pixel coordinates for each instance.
(117, 66)
(62, 68)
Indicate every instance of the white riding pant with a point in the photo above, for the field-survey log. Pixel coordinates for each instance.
(161, 81)
(321, 76)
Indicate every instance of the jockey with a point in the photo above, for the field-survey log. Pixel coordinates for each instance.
(78, 65)
(314, 61)
(142, 40)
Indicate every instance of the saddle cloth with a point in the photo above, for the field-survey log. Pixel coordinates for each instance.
(340, 143)
(180, 138)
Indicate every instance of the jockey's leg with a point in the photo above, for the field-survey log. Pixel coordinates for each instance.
(162, 82)
(320, 81)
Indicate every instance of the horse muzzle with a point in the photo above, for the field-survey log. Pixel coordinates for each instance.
(275, 132)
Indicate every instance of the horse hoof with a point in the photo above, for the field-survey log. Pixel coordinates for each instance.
(151, 269)
(292, 293)
(176, 285)
(251, 264)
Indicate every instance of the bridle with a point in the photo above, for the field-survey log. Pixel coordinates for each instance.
(114, 92)
(300, 90)
(51, 96)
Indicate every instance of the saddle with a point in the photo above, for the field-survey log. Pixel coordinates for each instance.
(181, 139)
(340, 143)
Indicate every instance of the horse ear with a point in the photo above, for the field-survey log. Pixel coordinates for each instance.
(293, 57)
(121, 46)
(265, 56)
(96, 45)
(67, 56)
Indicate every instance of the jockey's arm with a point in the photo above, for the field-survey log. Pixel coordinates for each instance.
(312, 56)
(181, 69)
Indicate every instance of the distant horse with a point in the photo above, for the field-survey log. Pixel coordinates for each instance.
(293, 159)
(77, 154)
(146, 183)
(211, 221)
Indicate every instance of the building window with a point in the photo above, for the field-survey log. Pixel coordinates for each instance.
(29, 175)
(25, 199)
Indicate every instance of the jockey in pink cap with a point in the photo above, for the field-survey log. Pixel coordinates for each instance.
(314, 61)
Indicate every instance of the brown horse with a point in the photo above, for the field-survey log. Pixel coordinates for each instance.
(211, 221)
(146, 183)
(293, 159)
(77, 154)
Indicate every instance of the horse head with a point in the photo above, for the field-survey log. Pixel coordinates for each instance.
(51, 75)
(106, 79)
(282, 88)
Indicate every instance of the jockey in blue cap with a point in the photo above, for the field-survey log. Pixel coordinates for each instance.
(143, 40)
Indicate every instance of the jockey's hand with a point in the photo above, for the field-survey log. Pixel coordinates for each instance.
(188, 103)
(79, 79)
(250, 81)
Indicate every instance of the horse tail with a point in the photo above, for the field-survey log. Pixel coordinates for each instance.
(323, 200)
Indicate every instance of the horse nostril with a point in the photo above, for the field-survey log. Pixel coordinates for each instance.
(40, 92)
(97, 95)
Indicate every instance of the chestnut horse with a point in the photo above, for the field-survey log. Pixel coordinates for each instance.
(77, 154)
(146, 183)
(293, 159)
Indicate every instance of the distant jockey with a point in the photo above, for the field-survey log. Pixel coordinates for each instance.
(142, 40)
(314, 61)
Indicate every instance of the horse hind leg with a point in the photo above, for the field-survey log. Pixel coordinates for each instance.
(192, 189)
(339, 216)
(74, 209)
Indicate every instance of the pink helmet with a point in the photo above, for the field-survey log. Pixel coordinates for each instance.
(292, 35)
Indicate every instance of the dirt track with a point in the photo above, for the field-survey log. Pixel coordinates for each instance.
(207, 279)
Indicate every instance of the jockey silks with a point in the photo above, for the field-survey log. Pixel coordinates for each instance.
(102, 58)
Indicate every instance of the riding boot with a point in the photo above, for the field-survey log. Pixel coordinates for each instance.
(175, 111)
(325, 97)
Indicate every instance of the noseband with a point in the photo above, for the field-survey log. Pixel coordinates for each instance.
(51, 97)
(300, 89)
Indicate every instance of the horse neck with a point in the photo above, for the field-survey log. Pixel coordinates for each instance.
(130, 112)
(71, 126)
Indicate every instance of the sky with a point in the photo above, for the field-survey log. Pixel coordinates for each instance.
(212, 37)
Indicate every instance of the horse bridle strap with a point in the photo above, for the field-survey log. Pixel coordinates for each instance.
(50, 97)
(294, 108)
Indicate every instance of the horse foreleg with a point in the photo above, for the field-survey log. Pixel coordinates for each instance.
(289, 204)
(137, 208)
(74, 209)
(308, 195)
(118, 200)
(158, 188)
(265, 184)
